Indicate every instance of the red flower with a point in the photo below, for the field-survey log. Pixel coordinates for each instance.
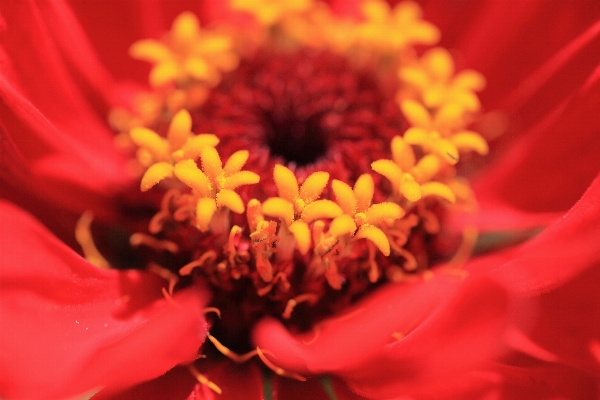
(524, 323)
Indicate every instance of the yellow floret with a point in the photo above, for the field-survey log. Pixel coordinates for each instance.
(269, 12)
(298, 206)
(214, 185)
(356, 205)
(410, 180)
(187, 53)
(160, 154)
(394, 29)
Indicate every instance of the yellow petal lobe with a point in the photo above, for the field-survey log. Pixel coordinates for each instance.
(402, 153)
(188, 172)
(342, 225)
(211, 163)
(382, 211)
(286, 183)
(236, 161)
(155, 174)
(409, 188)
(344, 196)
(193, 147)
(389, 169)
(438, 189)
(375, 235)
(179, 129)
(151, 141)
(301, 232)
(278, 207)
(205, 209)
(230, 199)
(320, 209)
(313, 186)
(470, 140)
(416, 114)
(364, 188)
(241, 178)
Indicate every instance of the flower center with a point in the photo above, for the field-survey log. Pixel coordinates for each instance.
(335, 165)
(308, 109)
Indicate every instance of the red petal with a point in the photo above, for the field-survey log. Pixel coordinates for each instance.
(447, 327)
(558, 273)
(74, 327)
(236, 381)
(564, 250)
(174, 385)
(546, 171)
(523, 36)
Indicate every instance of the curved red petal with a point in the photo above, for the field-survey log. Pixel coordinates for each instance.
(547, 170)
(74, 327)
(564, 250)
(174, 385)
(401, 339)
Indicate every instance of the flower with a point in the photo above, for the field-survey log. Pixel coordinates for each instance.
(508, 329)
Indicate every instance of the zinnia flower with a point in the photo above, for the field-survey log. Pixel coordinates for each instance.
(303, 169)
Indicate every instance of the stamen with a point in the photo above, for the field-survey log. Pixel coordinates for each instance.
(169, 297)
(207, 310)
(165, 274)
(138, 239)
(465, 250)
(235, 357)
(279, 371)
(83, 235)
(203, 379)
(209, 256)
(311, 298)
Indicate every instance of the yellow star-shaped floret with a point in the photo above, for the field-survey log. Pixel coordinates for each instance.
(298, 206)
(269, 12)
(433, 77)
(159, 154)
(394, 29)
(409, 178)
(442, 133)
(356, 204)
(215, 184)
(186, 53)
